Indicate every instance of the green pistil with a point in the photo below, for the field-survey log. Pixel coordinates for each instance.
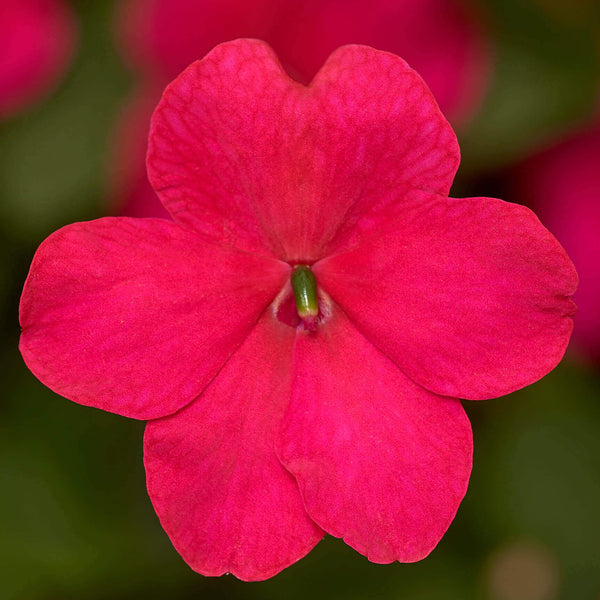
(304, 285)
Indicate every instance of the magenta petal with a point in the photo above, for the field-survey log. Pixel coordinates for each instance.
(379, 460)
(238, 149)
(136, 316)
(469, 297)
(214, 479)
(36, 42)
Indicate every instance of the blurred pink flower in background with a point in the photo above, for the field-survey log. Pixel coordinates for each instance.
(264, 433)
(562, 184)
(37, 39)
(439, 38)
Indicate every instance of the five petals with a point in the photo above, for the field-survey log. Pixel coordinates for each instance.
(263, 436)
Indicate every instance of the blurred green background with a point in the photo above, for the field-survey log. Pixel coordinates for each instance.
(76, 521)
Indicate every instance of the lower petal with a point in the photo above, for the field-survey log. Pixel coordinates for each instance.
(380, 461)
(214, 479)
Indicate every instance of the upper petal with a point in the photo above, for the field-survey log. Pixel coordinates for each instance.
(379, 460)
(136, 316)
(214, 479)
(243, 153)
(470, 297)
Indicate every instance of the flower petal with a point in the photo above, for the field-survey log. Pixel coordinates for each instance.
(38, 37)
(239, 150)
(136, 316)
(214, 479)
(469, 297)
(379, 460)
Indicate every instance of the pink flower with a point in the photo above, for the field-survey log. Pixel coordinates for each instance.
(439, 38)
(274, 420)
(36, 42)
(562, 184)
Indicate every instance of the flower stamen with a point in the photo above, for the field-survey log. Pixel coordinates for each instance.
(304, 285)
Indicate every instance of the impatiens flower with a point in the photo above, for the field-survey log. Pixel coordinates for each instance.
(563, 185)
(441, 39)
(299, 334)
(36, 43)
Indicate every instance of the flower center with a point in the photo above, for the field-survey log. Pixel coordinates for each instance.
(301, 303)
(304, 285)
